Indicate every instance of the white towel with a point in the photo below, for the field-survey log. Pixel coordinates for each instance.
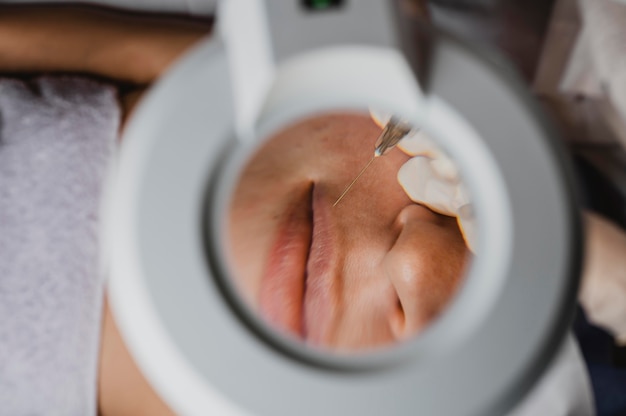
(56, 136)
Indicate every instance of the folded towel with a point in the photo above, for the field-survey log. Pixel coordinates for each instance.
(56, 137)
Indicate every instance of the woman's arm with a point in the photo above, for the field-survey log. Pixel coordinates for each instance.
(603, 286)
(120, 46)
(129, 48)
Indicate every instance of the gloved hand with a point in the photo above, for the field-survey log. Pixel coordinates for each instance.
(432, 179)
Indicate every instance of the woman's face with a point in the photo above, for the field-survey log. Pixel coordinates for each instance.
(373, 270)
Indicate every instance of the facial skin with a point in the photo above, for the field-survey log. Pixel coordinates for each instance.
(373, 270)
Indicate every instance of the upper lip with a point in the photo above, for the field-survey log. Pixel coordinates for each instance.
(298, 291)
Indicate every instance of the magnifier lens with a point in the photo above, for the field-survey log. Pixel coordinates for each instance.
(370, 271)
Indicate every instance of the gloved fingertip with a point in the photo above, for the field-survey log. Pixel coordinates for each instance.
(445, 167)
(412, 177)
(422, 185)
(418, 143)
(467, 225)
(462, 197)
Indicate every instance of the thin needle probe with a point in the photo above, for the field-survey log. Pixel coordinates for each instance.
(393, 132)
(355, 179)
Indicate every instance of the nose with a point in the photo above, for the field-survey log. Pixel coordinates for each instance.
(422, 269)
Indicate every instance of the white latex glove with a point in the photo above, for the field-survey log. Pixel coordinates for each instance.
(432, 179)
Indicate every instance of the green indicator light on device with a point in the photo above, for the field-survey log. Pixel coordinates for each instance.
(319, 5)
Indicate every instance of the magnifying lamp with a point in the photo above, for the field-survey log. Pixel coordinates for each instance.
(272, 64)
